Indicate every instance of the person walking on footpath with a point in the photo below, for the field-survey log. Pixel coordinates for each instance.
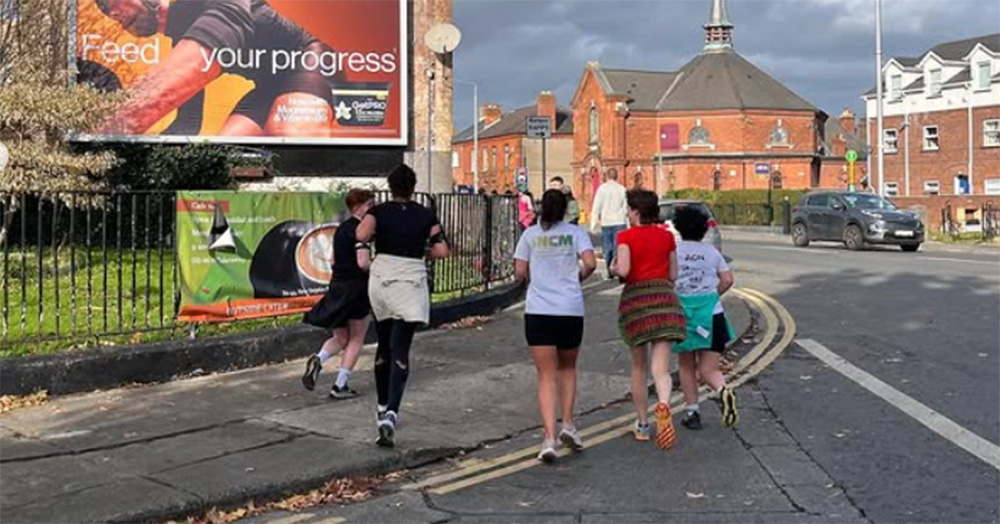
(405, 233)
(525, 208)
(649, 312)
(703, 278)
(572, 206)
(610, 210)
(549, 256)
(344, 309)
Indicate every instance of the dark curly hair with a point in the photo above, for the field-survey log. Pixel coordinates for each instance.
(691, 223)
(402, 181)
(646, 203)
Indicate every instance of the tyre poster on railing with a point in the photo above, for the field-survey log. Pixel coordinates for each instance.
(252, 255)
(248, 71)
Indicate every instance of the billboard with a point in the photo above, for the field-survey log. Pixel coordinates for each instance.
(330, 72)
(251, 255)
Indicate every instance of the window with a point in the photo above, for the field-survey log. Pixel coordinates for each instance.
(890, 142)
(485, 163)
(896, 87)
(891, 189)
(991, 186)
(932, 187)
(935, 82)
(931, 142)
(985, 72)
(698, 136)
(962, 185)
(494, 155)
(991, 133)
(455, 164)
(595, 131)
(819, 200)
(779, 137)
(717, 180)
(506, 156)
(776, 180)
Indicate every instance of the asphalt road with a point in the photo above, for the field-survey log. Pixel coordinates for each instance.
(899, 423)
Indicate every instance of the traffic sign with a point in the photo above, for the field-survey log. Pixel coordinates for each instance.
(851, 156)
(539, 127)
(762, 168)
(521, 177)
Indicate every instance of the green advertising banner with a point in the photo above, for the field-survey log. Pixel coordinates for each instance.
(250, 255)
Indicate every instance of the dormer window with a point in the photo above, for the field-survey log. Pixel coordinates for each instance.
(984, 74)
(896, 87)
(934, 82)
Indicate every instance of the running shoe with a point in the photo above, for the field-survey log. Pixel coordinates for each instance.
(691, 420)
(666, 436)
(343, 393)
(727, 399)
(641, 432)
(548, 453)
(313, 367)
(570, 438)
(387, 430)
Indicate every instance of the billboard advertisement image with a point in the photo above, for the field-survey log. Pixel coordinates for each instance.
(251, 255)
(248, 71)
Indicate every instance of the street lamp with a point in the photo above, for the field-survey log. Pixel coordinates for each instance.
(475, 132)
(878, 94)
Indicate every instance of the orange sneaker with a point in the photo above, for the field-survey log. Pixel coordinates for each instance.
(666, 436)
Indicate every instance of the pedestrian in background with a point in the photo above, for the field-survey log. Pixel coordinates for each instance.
(344, 309)
(703, 278)
(610, 210)
(405, 233)
(649, 312)
(549, 256)
(525, 207)
(572, 206)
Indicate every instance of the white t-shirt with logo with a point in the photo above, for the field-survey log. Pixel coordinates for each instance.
(699, 265)
(554, 287)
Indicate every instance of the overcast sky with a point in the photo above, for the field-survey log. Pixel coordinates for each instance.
(822, 49)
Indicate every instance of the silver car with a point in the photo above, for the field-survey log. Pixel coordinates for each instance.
(714, 236)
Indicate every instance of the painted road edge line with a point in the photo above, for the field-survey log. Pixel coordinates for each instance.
(474, 467)
(978, 446)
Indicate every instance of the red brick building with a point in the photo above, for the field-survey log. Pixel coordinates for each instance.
(504, 147)
(941, 120)
(717, 123)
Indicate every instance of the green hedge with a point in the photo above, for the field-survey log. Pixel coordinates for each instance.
(743, 207)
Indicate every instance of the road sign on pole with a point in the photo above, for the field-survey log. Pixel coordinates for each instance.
(540, 127)
(851, 157)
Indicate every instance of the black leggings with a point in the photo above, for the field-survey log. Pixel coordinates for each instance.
(392, 361)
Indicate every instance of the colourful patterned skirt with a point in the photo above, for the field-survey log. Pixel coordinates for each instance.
(649, 311)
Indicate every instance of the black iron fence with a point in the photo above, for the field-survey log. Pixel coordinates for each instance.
(82, 266)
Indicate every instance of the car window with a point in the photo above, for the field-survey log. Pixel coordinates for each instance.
(667, 210)
(835, 200)
(867, 201)
(819, 200)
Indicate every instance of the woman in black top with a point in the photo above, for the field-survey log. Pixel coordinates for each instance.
(345, 307)
(405, 233)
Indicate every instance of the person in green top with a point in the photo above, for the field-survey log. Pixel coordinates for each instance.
(572, 207)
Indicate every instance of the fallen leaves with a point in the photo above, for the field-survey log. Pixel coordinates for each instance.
(466, 323)
(341, 491)
(9, 403)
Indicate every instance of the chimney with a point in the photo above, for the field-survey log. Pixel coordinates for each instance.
(848, 122)
(546, 106)
(490, 113)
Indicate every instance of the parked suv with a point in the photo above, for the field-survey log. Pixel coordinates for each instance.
(669, 207)
(856, 219)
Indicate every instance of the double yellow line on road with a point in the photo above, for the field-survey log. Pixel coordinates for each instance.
(475, 471)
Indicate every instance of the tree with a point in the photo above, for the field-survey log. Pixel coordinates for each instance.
(40, 108)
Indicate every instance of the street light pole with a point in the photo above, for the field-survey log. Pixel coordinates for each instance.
(475, 132)
(878, 90)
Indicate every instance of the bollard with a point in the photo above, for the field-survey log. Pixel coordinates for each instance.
(786, 219)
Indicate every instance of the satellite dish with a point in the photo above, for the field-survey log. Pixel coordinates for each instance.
(443, 38)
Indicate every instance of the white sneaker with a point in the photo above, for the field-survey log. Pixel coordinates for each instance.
(548, 453)
(571, 439)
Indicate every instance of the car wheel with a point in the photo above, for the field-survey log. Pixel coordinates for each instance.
(800, 235)
(910, 248)
(854, 239)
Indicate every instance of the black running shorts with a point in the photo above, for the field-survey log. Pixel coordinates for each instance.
(549, 330)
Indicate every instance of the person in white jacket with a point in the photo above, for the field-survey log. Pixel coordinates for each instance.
(610, 210)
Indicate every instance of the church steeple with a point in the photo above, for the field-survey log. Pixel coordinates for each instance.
(718, 30)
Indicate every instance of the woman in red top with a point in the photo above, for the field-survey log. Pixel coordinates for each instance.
(649, 312)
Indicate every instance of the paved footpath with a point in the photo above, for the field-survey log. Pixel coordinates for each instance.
(153, 452)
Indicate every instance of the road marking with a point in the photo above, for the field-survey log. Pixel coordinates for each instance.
(292, 519)
(331, 520)
(476, 471)
(961, 260)
(983, 449)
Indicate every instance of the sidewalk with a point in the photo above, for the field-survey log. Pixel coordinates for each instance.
(155, 452)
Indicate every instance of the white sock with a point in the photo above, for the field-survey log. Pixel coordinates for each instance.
(324, 356)
(342, 377)
(692, 407)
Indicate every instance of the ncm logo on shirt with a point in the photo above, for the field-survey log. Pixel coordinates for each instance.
(553, 241)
